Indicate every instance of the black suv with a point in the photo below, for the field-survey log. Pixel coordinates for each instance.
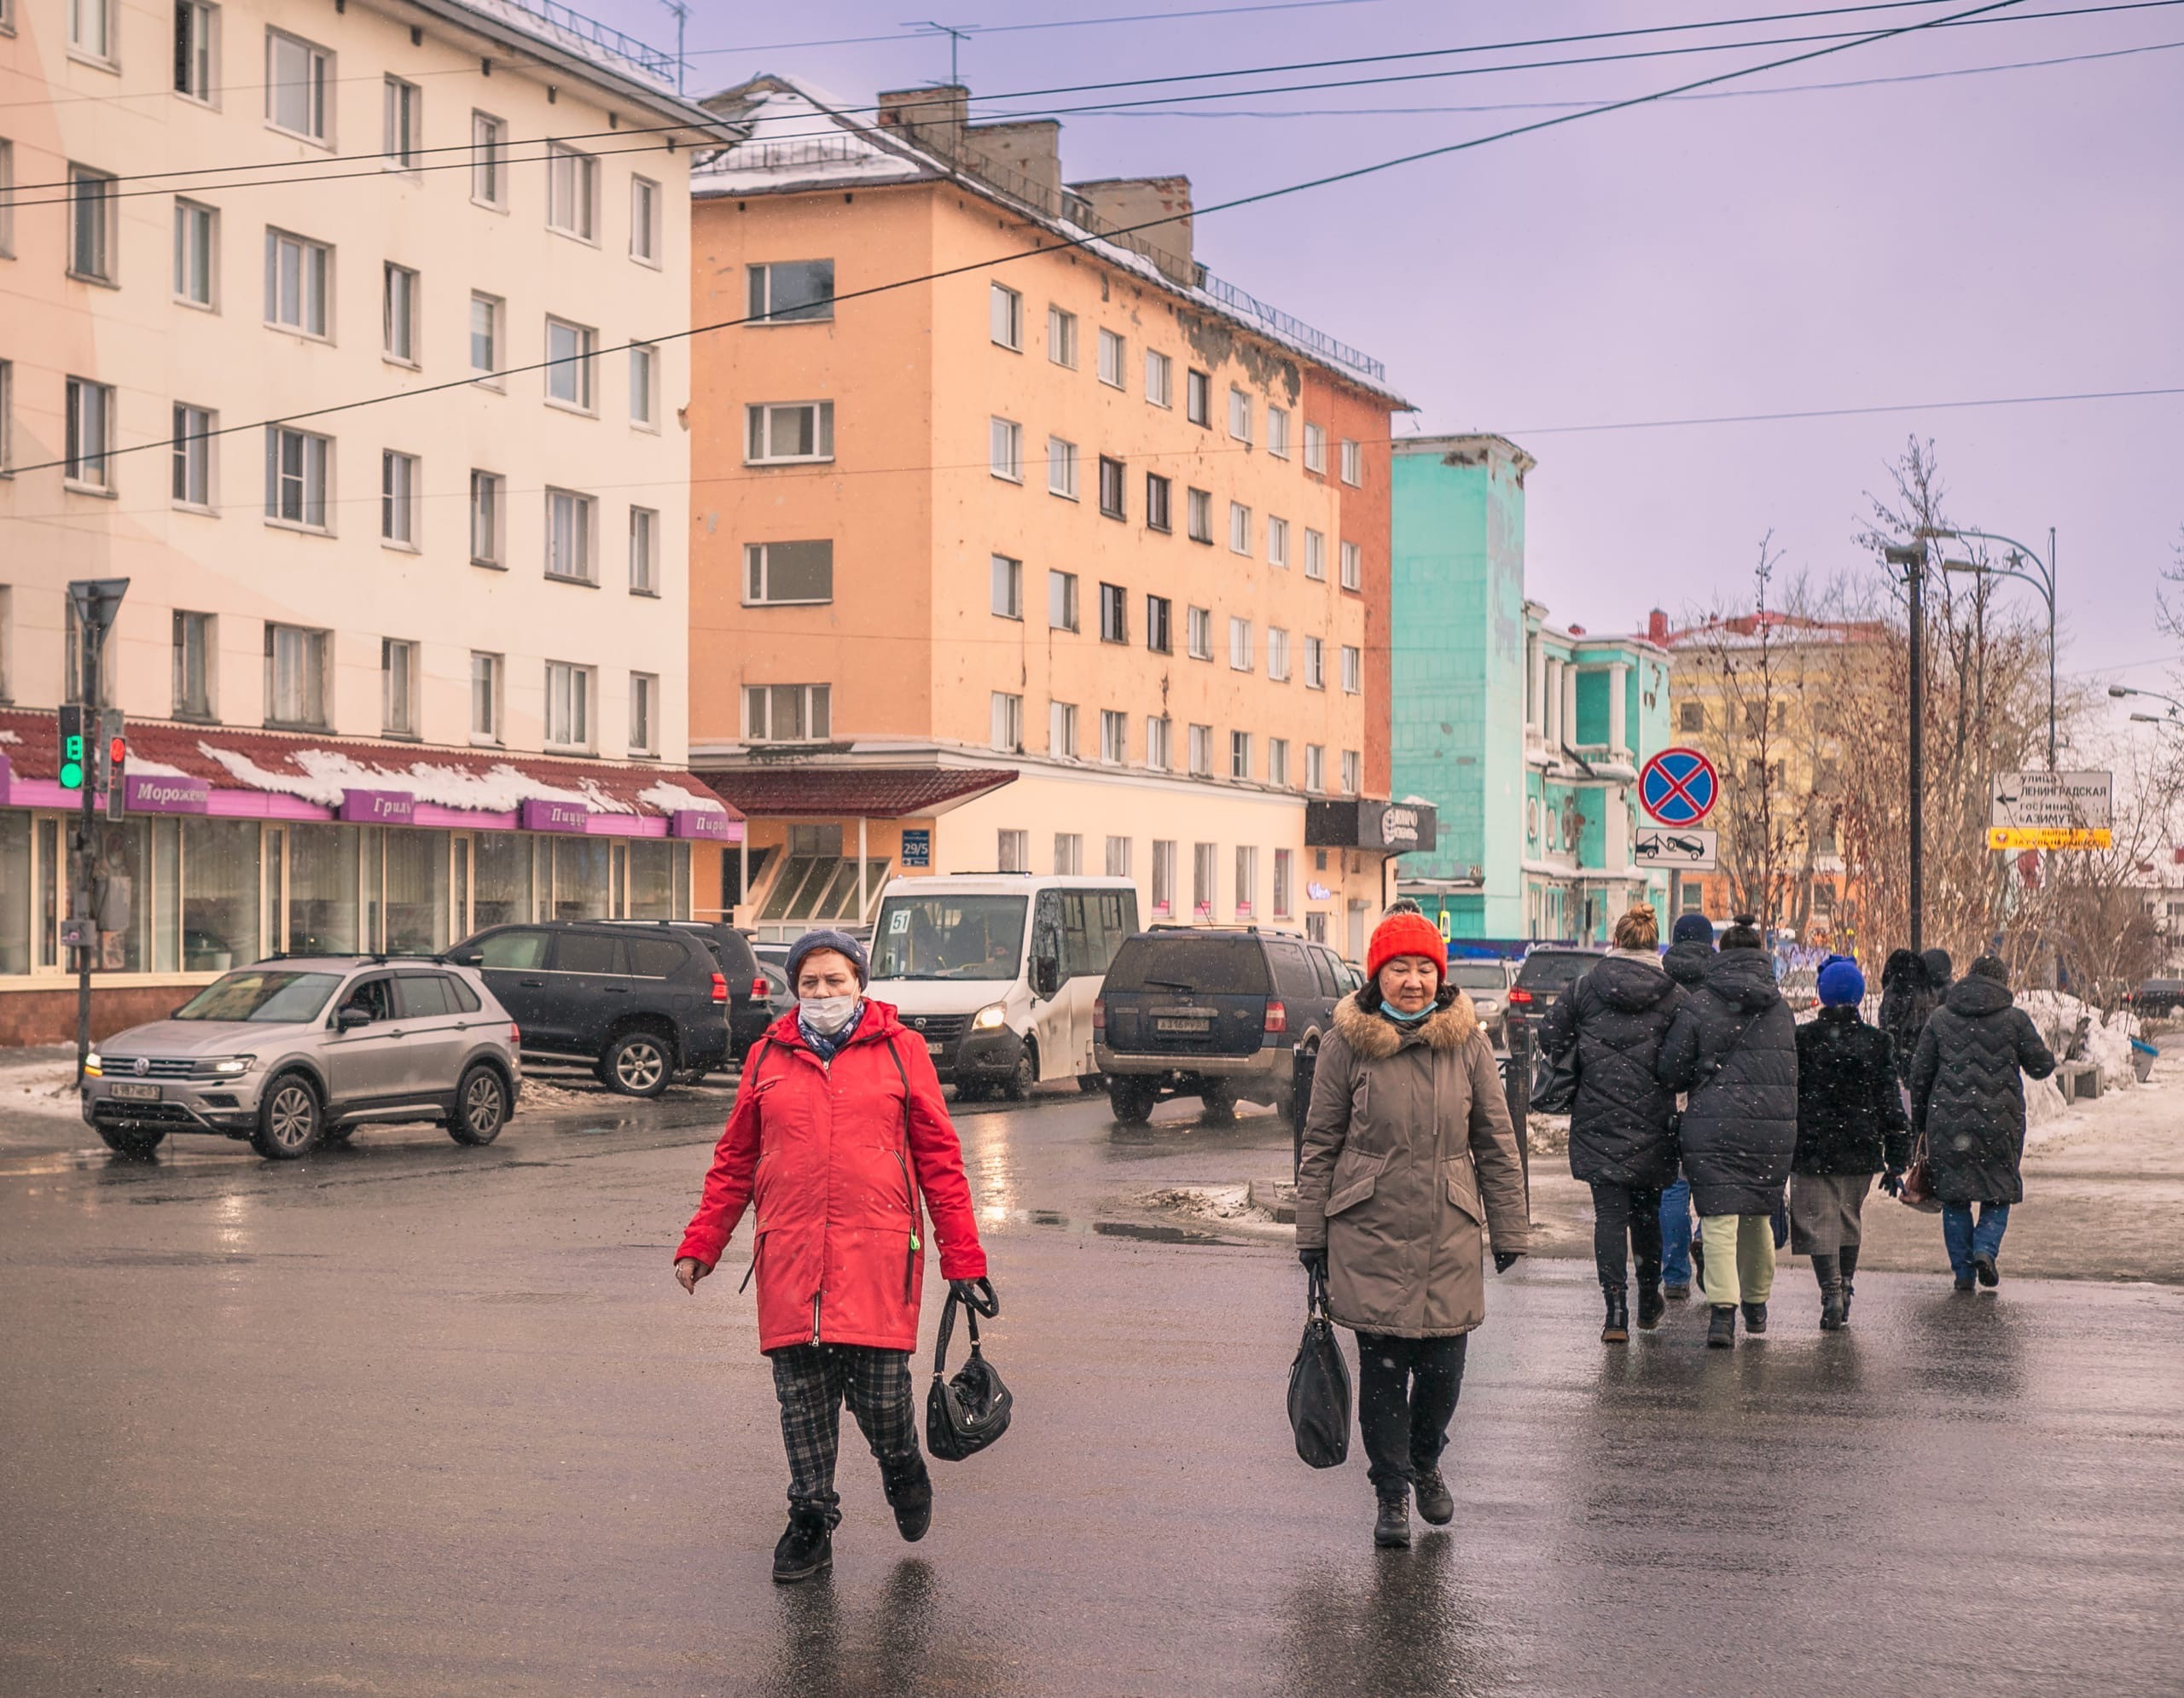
(1188, 1012)
(1545, 977)
(642, 1003)
(750, 995)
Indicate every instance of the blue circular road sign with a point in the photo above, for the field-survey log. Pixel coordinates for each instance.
(1679, 786)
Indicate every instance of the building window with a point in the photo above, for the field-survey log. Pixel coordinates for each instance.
(1315, 555)
(1115, 613)
(489, 137)
(1061, 601)
(1239, 415)
(1285, 861)
(1005, 728)
(196, 52)
(1248, 880)
(1069, 854)
(569, 351)
(1239, 645)
(298, 468)
(1114, 736)
(1316, 448)
(1118, 857)
(1112, 353)
(788, 713)
(644, 551)
(485, 698)
(196, 247)
(1353, 463)
(1691, 716)
(91, 27)
(1197, 516)
(487, 492)
(1061, 730)
(644, 221)
(1005, 318)
(1198, 633)
(90, 223)
(1277, 541)
(397, 688)
(1203, 873)
(1353, 567)
(1158, 636)
(1159, 752)
(1163, 876)
(397, 499)
(1239, 754)
(1159, 379)
(1012, 851)
(1240, 528)
(789, 574)
(193, 665)
(1198, 398)
(1277, 655)
(1061, 337)
(790, 291)
(1352, 770)
(1061, 467)
(192, 458)
(404, 133)
(1201, 752)
(486, 337)
(568, 705)
(644, 713)
(1315, 767)
(571, 191)
(1157, 490)
(784, 432)
(297, 77)
(1111, 488)
(1316, 663)
(644, 385)
(568, 536)
(1353, 670)
(299, 278)
(1277, 761)
(398, 315)
(295, 676)
(1007, 600)
(1277, 441)
(1005, 449)
(7, 197)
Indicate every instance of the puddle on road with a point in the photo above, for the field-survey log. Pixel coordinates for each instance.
(1148, 1233)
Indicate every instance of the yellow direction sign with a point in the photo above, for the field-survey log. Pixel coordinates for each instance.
(2048, 837)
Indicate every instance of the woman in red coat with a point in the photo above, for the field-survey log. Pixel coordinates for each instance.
(839, 1127)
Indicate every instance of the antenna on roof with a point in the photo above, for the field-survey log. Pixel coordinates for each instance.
(957, 34)
(682, 17)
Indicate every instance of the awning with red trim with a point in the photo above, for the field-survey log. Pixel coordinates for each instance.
(853, 792)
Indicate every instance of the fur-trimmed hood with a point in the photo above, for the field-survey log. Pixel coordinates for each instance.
(1376, 1038)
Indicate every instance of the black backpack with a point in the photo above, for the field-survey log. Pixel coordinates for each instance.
(964, 1414)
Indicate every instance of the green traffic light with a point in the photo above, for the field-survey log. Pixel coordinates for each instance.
(71, 763)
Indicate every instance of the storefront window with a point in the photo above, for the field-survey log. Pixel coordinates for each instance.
(416, 893)
(121, 897)
(373, 855)
(48, 892)
(580, 878)
(504, 893)
(652, 878)
(161, 899)
(15, 893)
(219, 899)
(322, 865)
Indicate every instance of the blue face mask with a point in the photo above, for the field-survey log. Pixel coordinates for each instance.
(1396, 1014)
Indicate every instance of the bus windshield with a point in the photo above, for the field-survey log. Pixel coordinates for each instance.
(948, 936)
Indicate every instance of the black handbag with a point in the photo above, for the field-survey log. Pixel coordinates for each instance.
(1319, 1386)
(1554, 1083)
(964, 1414)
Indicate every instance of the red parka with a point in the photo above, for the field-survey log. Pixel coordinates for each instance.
(831, 1157)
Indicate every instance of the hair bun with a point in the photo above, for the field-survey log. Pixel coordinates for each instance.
(1747, 920)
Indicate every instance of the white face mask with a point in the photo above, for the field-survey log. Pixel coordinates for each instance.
(828, 1015)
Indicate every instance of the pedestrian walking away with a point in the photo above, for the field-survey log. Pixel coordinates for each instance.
(1409, 1164)
(1905, 1001)
(1690, 955)
(1967, 1100)
(1623, 1125)
(1850, 1126)
(839, 1133)
(1734, 1047)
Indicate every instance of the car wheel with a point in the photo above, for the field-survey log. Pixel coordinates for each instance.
(1021, 1076)
(136, 1142)
(1132, 1099)
(481, 1107)
(1219, 1105)
(636, 1064)
(289, 1120)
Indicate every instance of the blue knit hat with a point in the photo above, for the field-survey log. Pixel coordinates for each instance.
(841, 942)
(1692, 928)
(1841, 984)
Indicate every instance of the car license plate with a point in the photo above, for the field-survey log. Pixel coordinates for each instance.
(135, 1093)
(933, 1047)
(1182, 1025)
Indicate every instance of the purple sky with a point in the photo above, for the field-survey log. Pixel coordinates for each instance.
(2011, 233)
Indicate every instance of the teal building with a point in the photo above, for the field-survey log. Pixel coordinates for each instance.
(1527, 737)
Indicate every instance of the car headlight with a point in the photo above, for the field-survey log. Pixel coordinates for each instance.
(1487, 1005)
(229, 1066)
(93, 1067)
(990, 1018)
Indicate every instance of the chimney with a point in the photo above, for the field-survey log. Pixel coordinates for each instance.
(931, 117)
(1656, 627)
(1024, 157)
(1123, 201)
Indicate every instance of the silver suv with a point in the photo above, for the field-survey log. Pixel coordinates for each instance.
(294, 1052)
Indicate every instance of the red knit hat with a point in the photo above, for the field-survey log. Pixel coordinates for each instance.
(1406, 934)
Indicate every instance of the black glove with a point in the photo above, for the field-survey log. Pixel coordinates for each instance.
(1506, 1259)
(1892, 1182)
(1315, 1263)
(976, 1294)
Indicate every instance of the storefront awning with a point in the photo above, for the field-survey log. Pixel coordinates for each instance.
(853, 792)
(211, 770)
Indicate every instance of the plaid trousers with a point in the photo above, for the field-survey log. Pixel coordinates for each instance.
(811, 1381)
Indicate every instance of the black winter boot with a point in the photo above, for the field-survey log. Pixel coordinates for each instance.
(1983, 1265)
(1651, 1307)
(1826, 1270)
(1755, 1317)
(1391, 1529)
(806, 1549)
(1722, 1327)
(909, 1487)
(1847, 1260)
(1436, 1504)
(1617, 1329)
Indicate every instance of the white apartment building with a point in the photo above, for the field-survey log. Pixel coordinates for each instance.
(407, 667)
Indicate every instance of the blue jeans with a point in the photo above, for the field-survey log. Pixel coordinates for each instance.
(1675, 1234)
(1965, 1241)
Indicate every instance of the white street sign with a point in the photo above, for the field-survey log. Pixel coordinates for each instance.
(1685, 847)
(2053, 801)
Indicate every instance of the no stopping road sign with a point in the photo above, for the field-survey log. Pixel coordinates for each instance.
(1679, 786)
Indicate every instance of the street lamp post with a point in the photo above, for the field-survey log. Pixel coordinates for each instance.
(2173, 718)
(2045, 583)
(1910, 559)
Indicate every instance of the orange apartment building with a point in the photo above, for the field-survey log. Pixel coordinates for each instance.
(1063, 557)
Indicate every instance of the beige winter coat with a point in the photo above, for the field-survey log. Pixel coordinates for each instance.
(1408, 1154)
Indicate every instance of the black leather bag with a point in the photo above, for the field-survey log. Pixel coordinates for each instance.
(1554, 1083)
(1319, 1386)
(964, 1414)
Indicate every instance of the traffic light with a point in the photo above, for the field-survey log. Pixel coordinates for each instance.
(116, 762)
(74, 752)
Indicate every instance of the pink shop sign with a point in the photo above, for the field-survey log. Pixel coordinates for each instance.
(151, 793)
(540, 814)
(710, 825)
(379, 807)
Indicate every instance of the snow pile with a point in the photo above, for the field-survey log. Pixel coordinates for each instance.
(673, 798)
(45, 1087)
(2107, 1041)
(500, 788)
(10, 737)
(1211, 1202)
(2046, 1114)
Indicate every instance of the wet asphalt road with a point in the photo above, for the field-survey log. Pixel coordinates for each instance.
(412, 1419)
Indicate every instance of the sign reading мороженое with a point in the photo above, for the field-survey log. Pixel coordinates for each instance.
(153, 793)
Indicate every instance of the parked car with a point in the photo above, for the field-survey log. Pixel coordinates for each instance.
(297, 1052)
(1486, 979)
(641, 1004)
(750, 995)
(1543, 977)
(2157, 998)
(1214, 1014)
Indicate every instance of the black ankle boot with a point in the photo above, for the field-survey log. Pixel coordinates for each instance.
(1651, 1306)
(806, 1549)
(1829, 1274)
(1722, 1327)
(1755, 1317)
(1436, 1502)
(909, 1487)
(1392, 1528)
(1617, 1328)
(1847, 1262)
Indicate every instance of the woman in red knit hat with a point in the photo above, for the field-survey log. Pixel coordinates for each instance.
(1409, 1161)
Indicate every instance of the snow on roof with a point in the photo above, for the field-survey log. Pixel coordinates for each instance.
(548, 21)
(10, 737)
(670, 798)
(325, 774)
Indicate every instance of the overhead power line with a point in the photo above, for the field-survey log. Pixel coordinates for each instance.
(1842, 412)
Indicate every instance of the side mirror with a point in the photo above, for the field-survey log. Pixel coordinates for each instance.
(1046, 974)
(469, 957)
(352, 1017)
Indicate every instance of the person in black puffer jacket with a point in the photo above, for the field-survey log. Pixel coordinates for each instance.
(1689, 959)
(1968, 1100)
(1622, 1135)
(1850, 1126)
(1734, 1047)
(1906, 1000)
